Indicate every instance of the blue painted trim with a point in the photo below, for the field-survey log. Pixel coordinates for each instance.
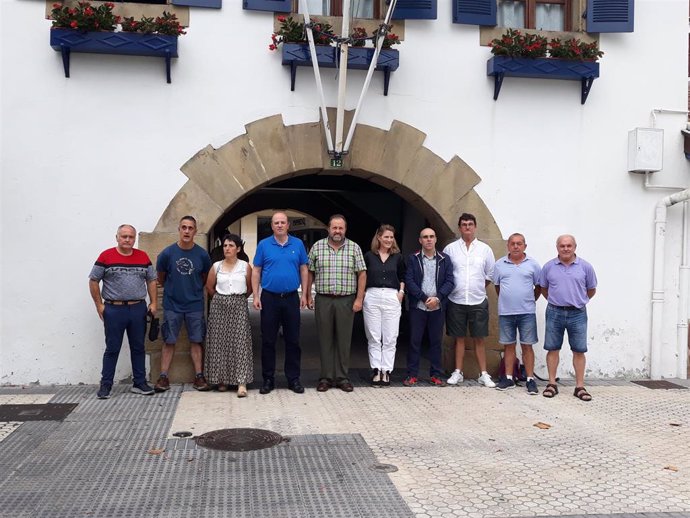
(543, 68)
(358, 58)
(278, 6)
(610, 15)
(416, 10)
(67, 41)
(209, 4)
(475, 12)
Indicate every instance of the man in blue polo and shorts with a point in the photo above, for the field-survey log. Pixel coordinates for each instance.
(568, 283)
(516, 279)
(182, 269)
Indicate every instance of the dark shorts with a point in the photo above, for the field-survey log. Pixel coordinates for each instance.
(172, 325)
(460, 316)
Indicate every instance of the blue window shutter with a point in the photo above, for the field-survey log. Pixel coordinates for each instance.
(415, 10)
(610, 15)
(278, 6)
(474, 12)
(212, 4)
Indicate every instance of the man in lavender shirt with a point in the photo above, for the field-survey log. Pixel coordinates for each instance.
(568, 283)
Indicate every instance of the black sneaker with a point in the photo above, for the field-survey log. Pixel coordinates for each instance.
(104, 391)
(142, 388)
(505, 384)
(532, 389)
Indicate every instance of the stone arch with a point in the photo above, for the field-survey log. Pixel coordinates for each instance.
(269, 152)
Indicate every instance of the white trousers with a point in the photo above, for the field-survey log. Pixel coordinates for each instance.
(381, 311)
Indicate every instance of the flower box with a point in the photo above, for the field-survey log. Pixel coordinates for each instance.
(67, 41)
(543, 68)
(359, 58)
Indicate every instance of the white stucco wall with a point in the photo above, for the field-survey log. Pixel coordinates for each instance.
(82, 155)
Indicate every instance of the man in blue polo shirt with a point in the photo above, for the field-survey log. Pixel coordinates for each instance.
(280, 267)
(516, 279)
(568, 283)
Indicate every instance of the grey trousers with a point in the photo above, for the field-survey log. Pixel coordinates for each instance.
(334, 318)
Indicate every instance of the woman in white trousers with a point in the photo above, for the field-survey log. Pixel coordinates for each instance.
(382, 302)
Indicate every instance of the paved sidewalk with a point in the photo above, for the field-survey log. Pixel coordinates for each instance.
(462, 451)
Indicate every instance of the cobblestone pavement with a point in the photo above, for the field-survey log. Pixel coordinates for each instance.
(463, 451)
(471, 451)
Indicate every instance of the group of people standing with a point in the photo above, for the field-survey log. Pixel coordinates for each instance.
(444, 288)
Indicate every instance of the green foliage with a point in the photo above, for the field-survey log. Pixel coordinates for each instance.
(518, 45)
(574, 49)
(515, 44)
(85, 17)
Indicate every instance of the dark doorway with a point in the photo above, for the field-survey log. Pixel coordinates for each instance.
(365, 205)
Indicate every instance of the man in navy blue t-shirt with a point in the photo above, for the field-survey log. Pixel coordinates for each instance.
(182, 269)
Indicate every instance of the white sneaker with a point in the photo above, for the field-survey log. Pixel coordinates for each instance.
(456, 377)
(485, 379)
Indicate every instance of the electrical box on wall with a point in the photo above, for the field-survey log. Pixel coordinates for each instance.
(645, 150)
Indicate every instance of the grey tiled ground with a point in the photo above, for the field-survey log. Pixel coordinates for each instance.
(466, 451)
(475, 452)
(112, 459)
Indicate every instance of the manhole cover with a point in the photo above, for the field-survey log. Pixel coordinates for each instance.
(658, 384)
(47, 412)
(384, 468)
(239, 439)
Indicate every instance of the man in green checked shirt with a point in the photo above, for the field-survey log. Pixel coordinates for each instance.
(337, 269)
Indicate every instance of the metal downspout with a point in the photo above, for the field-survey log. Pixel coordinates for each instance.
(658, 284)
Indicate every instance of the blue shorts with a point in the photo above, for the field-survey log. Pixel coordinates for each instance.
(559, 320)
(172, 324)
(510, 325)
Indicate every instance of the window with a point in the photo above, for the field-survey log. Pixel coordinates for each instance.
(550, 15)
(545, 15)
(360, 8)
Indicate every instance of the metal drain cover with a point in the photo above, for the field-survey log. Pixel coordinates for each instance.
(658, 384)
(47, 412)
(239, 439)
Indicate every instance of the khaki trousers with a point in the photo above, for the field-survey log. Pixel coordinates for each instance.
(334, 319)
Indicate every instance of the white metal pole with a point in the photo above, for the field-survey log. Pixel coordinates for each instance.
(683, 302)
(342, 79)
(370, 73)
(317, 77)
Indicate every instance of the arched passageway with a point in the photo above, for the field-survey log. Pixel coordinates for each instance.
(387, 176)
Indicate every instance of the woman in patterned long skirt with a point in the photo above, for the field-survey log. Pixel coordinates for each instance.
(228, 356)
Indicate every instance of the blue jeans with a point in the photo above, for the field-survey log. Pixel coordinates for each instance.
(510, 325)
(117, 320)
(559, 320)
(277, 310)
(420, 322)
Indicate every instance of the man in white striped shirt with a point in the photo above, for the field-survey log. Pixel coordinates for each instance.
(473, 268)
